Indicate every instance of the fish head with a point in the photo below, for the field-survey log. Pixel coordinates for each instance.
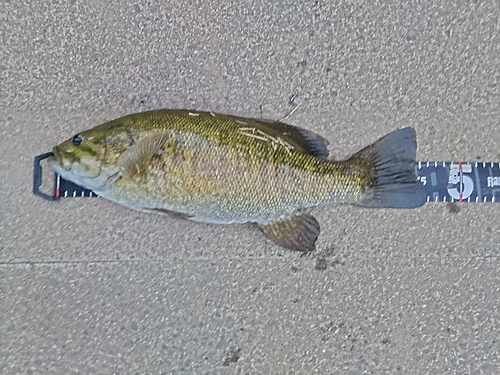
(89, 158)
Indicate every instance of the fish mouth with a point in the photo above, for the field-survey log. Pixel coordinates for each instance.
(64, 164)
(60, 161)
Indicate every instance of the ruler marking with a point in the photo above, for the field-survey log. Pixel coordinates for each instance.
(58, 186)
(434, 181)
(461, 181)
(479, 193)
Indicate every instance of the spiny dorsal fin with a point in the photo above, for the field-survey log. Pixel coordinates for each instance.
(302, 140)
(295, 233)
(133, 162)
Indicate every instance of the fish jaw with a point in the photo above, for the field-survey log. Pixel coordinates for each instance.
(76, 173)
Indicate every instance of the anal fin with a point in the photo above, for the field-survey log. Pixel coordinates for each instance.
(295, 233)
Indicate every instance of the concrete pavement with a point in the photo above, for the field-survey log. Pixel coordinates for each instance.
(87, 286)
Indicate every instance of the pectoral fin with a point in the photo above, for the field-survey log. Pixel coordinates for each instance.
(295, 233)
(134, 161)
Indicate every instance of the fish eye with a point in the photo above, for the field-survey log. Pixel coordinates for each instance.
(77, 140)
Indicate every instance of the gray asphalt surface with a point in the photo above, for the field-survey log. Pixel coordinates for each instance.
(89, 287)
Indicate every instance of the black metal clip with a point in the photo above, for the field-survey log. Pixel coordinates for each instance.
(37, 178)
(62, 187)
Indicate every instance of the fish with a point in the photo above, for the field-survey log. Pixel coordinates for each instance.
(223, 169)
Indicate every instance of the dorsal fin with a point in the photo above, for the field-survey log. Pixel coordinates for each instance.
(310, 142)
(302, 140)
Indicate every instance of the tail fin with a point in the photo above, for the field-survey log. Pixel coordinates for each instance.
(395, 183)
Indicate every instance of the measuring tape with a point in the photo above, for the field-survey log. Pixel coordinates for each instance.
(460, 182)
(443, 182)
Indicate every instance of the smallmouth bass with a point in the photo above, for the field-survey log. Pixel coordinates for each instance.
(224, 169)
